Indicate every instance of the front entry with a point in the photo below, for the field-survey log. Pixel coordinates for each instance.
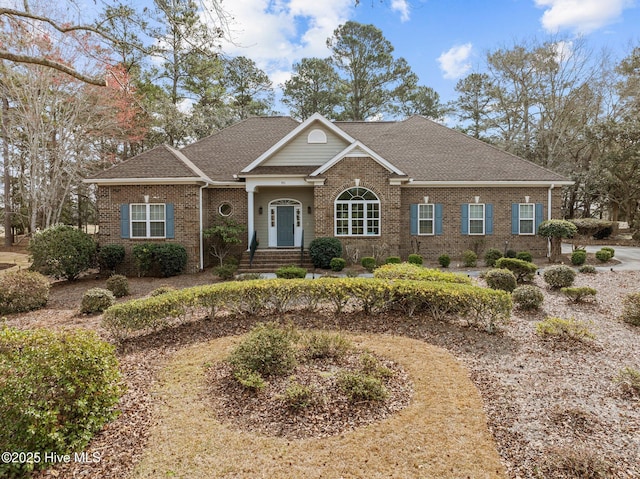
(285, 223)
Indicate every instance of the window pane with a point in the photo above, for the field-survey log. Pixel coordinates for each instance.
(526, 212)
(476, 227)
(156, 212)
(526, 227)
(138, 230)
(425, 212)
(425, 227)
(138, 212)
(476, 212)
(157, 229)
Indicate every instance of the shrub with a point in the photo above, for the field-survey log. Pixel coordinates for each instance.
(22, 291)
(502, 279)
(323, 345)
(523, 270)
(527, 297)
(223, 238)
(631, 309)
(510, 253)
(418, 273)
(96, 300)
(597, 228)
(578, 294)
(225, 272)
(415, 259)
(57, 390)
(469, 258)
(559, 276)
(371, 365)
(110, 256)
(609, 249)
(250, 379)
(575, 462)
(603, 255)
(118, 285)
(337, 264)
(491, 256)
(322, 250)
(291, 272)
(393, 260)
(298, 396)
(172, 258)
(164, 289)
(564, 329)
(579, 257)
(267, 350)
(555, 231)
(143, 256)
(444, 260)
(629, 380)
(524, 256)
(368, 263)
(362, 387)
(587, 269)
(62, 252)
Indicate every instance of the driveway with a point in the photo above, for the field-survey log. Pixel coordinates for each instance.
(629, 257)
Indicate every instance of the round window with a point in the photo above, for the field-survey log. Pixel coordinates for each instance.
(225, 209)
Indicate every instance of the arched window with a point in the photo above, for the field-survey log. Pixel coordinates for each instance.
(317, 136)
(357, 213)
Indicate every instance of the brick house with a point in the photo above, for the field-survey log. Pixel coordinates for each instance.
(391, 187)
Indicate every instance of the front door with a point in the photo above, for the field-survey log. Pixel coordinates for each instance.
(285, 221)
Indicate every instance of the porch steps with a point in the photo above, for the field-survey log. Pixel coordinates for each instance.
(268, 260)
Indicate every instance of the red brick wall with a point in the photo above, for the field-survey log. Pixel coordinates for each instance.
(237, 198)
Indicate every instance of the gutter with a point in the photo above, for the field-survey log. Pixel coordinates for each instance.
(551, 187)
(202, 227)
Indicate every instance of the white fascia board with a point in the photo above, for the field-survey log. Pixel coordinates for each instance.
(347, 153)
(488, 184)
(253, 183)
(145, 181)
(295, 132)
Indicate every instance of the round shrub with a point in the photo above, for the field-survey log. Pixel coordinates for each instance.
(62, 252)
(444, 260)
(118, 285)
(368, 263)
(291, 272)
(96, 300)
(57, 390)
(502, 279)
(337, 264)
(322, 250)
(510, 253)
(587, 269)
(491, 256)
(362, 387)
(527, 297)
(631, 309)
(164, 289)
(559, 276)
(523, 270)
(415, 259)
(579, 257)
(226, 271)
(469, 258)
(603, 255)
(609, 249)
(110, 256)
(171, 257)
(393, 260)
(524, 256)
(23, 291)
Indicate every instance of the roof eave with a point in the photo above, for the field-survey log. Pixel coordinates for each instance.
(497, 184)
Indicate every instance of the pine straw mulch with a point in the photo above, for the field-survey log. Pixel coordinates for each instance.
(551, 406)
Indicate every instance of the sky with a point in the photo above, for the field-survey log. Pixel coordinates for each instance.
(442, 40)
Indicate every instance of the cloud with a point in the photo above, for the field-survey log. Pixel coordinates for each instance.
(454, 62)
(580, 16)
(402, 7)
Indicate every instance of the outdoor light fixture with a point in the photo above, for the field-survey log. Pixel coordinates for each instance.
(309, 209)
(260, 210)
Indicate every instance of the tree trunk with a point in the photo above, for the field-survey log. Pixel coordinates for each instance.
(8, 230)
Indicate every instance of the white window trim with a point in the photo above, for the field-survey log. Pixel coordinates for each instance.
(365, 219)
(147, 221)
(432, 219)
(533, 219)
(484, 219)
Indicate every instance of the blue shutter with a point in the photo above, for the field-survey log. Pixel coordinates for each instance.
(124, 221)
(539, 215)
(464, 226)
(170, 223)
(488, 212)
(515, 218)
(438, 218)
(413, 214)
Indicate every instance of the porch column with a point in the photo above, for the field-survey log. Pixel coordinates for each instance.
(250, 218)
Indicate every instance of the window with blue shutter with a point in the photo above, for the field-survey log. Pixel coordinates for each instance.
(413, 218)
(170, 221)
(539, 215)
(464, 224)
(124, 221)
(147, 220)
(525, 218)
(438, 219)
(488, 208)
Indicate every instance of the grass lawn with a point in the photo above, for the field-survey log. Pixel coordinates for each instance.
(442, 433)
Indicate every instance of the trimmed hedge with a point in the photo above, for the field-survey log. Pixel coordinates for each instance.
(523, 270)
(22, 291)
(481, 307)
(559, 276)
(418, 273)
(502, 279)
(96, 300)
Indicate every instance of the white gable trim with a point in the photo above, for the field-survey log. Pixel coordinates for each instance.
(351, 151)
(189, 164)
(296, 131)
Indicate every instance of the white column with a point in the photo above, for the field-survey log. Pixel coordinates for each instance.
(250, 218)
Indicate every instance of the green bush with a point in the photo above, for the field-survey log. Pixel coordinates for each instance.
(603, 255)
(629, 380)
(564, 329)
(631, 309)
(524, 256)
(171, 257)
(597, 228)
(291, 272)
(368, 263)
(444, 260)
(337, 264)
(559, 276)
(62, 252)
(587, 269)
(143, 255)
(298, 396)
(502, 279)
(510, 253)
(226, 271)
(118, 285)
(96, 300)
(164, 289)
(609, 249)
(579, 257)
(110, 256)
(324, 345)
(268, 350)
(527, 297)
(415, 259)
(22, 291)
(469, 258)
(57, 390)
(523, 270)
(578, 294)
(418, 273)
(362, 387)
(491, 256)
(250, 379)
(322, 250)
(393, 260)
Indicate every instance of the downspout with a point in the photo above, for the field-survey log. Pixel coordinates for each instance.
(202, 228)
(549, 217)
